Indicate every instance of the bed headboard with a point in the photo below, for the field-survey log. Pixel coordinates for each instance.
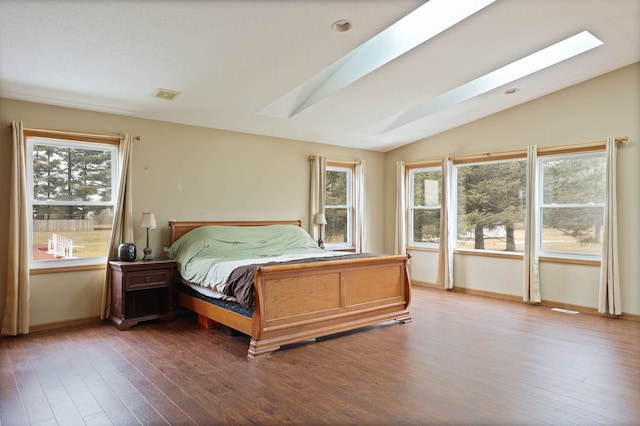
(179, 228)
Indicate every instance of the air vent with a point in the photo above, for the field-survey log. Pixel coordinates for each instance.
(565, 311)
(168, 95)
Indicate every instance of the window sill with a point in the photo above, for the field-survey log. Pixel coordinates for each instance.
(520, 256)
(42, 271)
(486, 253)
(569, 261)
(426, 249)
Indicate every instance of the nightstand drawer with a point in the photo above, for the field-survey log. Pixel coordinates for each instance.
(146, 280)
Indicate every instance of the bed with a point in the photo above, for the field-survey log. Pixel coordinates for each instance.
(298, 300)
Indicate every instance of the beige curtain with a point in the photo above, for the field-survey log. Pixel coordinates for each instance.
(122, 231)
(609, 297)
(16, 310)
(361, 241)
(401, 213)
(447, 239)
(531, 285)
(317, 194)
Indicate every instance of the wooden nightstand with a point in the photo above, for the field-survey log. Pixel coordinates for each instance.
(141, 291)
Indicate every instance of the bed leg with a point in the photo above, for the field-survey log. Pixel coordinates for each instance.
(260, 350)
(404, 319)
(206, 322)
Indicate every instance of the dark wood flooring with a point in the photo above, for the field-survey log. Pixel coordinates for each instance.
(463, 360)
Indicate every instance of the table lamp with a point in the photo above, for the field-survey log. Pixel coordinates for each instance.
(148, 221)
(320, 219)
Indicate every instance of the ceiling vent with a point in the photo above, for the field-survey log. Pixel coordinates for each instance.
(168, 95)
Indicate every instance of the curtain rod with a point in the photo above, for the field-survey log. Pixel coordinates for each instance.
(313, 157)
(622, 139)
(427, 162)
(546, 149)
(69, 133)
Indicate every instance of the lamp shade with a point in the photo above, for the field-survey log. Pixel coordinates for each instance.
(320, 219)
(148, 221)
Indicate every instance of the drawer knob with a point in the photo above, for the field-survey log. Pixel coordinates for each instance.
(147, 279)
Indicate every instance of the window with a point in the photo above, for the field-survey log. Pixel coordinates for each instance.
(572, 196)
(491, 205)
(72, 191)
(339, 207)
(425, 197)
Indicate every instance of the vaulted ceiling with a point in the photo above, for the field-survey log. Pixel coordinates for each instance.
(276, 67)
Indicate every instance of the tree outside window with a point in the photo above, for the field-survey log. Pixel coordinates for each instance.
(491, 205)
(572, 194)
(425, 197)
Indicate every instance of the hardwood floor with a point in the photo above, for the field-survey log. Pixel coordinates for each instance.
(463, 360)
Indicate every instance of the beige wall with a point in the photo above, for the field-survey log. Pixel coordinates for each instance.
(180, 172)
(605, 106)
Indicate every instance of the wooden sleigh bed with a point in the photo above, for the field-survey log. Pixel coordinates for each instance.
(298, 302)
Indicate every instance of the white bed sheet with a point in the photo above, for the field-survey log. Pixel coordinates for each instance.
(218, 274)
(206, 291)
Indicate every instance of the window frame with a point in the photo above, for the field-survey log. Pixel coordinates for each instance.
(32, 138)
(541, 205)
(349, 169)
(410, 171)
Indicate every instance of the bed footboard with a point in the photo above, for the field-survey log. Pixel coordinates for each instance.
(305, 301)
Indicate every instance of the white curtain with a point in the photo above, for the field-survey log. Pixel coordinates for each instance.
(16, 311)
(361, 242)
(317, 194)
(447, 237)
(531, 279)
(401, 214)
(122, 231)
(609, 297)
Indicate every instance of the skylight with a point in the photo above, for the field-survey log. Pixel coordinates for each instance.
(424, 23)
(544, 58)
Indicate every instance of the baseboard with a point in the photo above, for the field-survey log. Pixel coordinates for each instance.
(545, 303)
(424, 284)
(487, 294)
(62, 324)
(632, 317)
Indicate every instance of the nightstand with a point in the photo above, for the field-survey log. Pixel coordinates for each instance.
(141, 291)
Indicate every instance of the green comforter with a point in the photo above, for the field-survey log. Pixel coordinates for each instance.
(196, 251)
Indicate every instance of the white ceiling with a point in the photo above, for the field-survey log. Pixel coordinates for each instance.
(230, 59)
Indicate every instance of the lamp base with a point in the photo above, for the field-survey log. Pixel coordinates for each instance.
(147, 249)
(147, 253)
(321, 243)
